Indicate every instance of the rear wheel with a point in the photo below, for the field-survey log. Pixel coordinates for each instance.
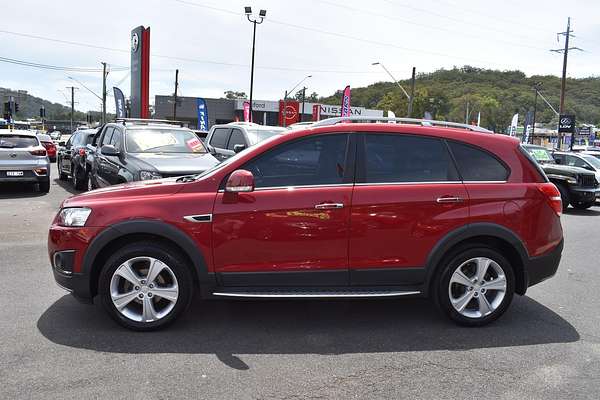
(145, 286)
(80, 177)
(475, 287)
(564, 196)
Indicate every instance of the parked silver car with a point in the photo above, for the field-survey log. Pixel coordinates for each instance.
(23, 159)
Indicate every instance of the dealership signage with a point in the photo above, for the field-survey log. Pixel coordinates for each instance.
(258, 105)
(566, 123)
(585, 131)
(202, 111)
(292, 112)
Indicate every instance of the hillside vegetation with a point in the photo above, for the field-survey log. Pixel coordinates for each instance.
(496, 94)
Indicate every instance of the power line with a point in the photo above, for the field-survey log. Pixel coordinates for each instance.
(54, 67)
(426, 26)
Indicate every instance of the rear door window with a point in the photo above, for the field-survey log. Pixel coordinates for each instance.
(220, 137)
(403, 158)
(475, 164)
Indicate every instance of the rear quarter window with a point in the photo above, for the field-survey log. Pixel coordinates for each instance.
(476, 164)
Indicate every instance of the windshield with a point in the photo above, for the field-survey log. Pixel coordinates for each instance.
(163, 141)
(16, 141)
(593, 161)
(541, 155)
(258, 135)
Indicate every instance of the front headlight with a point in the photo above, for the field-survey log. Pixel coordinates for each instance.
(147, 175)
(75, 216)
(572, 180)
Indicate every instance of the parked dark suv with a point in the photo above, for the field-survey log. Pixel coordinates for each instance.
(578, 186)
(140, 150)
(340, 210)
(71, 158)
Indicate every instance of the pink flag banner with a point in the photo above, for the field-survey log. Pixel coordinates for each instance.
(247, 111)
(346, 102)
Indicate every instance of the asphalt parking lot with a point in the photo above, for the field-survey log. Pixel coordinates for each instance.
(547, 346)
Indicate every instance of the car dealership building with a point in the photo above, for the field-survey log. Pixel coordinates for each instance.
(265, 112)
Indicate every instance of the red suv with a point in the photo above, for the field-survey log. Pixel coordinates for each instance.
(338, 210)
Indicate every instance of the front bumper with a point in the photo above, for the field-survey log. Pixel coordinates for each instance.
(540, 268)
(584, 195)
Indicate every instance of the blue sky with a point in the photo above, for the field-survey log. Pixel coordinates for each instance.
(335, 41)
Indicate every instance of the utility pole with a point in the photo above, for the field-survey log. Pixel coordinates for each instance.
(412, 93)
(72, 104)
(567, 34)
(536, 88)
(104, 74)
(303, 101)
(175, 95)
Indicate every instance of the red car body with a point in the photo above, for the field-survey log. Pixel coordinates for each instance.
(50, 149)
(385, 235)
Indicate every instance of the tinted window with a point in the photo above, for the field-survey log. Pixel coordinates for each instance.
(576, 162)
(107, 135)
(14, 141)
(220, 137)
(88, 139)
(477, 165)
(237, 137)
(115, 140)
(318, 160)
(403, 158)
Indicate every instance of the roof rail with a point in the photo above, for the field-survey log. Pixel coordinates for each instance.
(148, 121)
(413, 121)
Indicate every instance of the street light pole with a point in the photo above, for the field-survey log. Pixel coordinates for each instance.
(399, 85)
(261, 16)
(286, 95)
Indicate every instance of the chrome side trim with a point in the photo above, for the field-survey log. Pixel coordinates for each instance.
(199, 218)
(408, 183)
(315, 295)
(484, 182)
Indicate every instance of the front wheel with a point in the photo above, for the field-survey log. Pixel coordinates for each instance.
(80, 177)
(475, 287)
(145, 286)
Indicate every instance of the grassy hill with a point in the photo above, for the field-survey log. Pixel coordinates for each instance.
(496, 94)
(29, 107)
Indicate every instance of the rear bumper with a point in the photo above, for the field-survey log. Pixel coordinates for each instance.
(28, 171)
(540, 268)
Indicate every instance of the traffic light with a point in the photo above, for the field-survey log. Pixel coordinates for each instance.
(16, 108)
(42, 112)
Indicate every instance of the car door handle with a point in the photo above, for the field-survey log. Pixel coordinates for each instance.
(328, 206)
(449, 199)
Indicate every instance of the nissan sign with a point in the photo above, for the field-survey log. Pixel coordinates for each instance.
(566, 123)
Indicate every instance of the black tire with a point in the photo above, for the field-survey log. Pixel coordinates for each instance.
(61, 175)
(44, 186)
(79, 177)
(450, 265)
(583, 206)
(564, 196)
(90, 182)
(157, 250)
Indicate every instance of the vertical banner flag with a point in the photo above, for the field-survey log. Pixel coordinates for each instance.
(316, 112)
(246, 111)
(479, 118)
(202, 111)
(119, 103)
(140, 72)
(527, 126)
(346, 102)
(513, 125)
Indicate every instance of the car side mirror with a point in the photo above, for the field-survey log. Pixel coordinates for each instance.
(109, 150)
(557, 160)
(62, 143)
(240, 181)
(238, 147)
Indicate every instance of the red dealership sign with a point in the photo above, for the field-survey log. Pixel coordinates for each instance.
(316, 112)
(292, 112)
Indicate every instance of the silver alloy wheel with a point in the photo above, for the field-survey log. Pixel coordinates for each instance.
(144, 289)
(477, 287)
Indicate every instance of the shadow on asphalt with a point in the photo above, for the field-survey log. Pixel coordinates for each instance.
(66, 185)
(586, 213)
(20, 191)
(227, 328)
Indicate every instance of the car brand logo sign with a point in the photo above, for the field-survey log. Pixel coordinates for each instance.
(566, 124)
(13, 155)
(135, 42)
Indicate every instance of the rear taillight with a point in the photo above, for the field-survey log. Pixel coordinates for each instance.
(38, 152)
(48, 145)
(82, 152)
(552, 195)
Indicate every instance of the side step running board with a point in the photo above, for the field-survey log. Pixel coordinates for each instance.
(315, 294)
